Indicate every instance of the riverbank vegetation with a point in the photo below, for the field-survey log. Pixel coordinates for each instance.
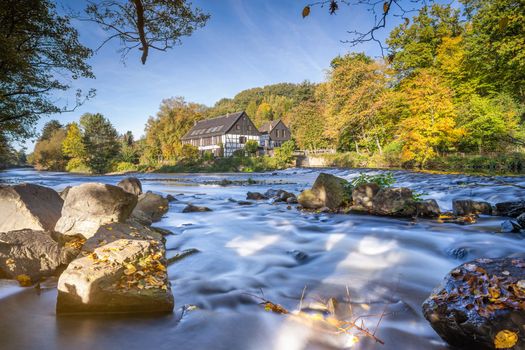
(448, 96)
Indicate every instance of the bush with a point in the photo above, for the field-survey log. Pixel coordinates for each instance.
(251, 147)
(76, 165)
(122, 167)
(382, 180)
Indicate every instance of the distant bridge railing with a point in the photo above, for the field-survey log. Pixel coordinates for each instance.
(310, 152)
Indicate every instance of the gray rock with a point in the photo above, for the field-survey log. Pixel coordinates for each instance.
(122, 269)
(91, 205)
(190, 208)
(463, 207)
(292, 200)
(64, 192)
(477, 300)
(363, 195)
(151, 205)
(511, 209)
(28, 206)
(256, 196)
(510, 226)
(171, 198)
(32, 253)
(131, 185)
(327, 191)
(279, 195)
(427, 208)
(394, 201)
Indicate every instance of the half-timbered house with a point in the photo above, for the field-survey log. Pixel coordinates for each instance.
(222, 135)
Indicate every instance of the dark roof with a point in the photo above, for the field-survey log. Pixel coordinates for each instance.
(213, 127)
(268, 126)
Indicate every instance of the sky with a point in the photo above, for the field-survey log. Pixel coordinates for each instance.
(245, 44)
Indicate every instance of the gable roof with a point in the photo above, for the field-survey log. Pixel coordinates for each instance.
(268, 126)
(213, 126)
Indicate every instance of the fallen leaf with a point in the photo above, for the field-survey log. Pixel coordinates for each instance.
(505, 339)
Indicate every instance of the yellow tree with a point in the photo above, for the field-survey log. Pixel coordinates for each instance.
(429, 125)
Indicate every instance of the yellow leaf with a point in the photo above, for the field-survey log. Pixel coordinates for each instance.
(130, 269)
(505, 339)
(24, 280)
(503, 22)
(306, 11)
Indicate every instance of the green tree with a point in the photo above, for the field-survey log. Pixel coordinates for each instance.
(251, 147)
(165, 131)
(40, 55)
(264, 114)
(48, 153)
(49, 129)
(101, 142)
(283, 156)
(430, 123)
(306, 123)
(73, 145)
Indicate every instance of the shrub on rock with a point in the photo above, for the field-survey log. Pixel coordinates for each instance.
(29, 206)
(91, 205)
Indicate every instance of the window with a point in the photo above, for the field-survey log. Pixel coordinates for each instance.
(238, 127)
(242, 140)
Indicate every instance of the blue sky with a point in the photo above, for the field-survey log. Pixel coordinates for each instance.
(244, 44)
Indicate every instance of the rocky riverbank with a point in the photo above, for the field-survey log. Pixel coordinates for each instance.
(124, 279)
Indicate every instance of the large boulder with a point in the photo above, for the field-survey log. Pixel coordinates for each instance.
(91, 205)
(32, 253)
(481, 305)
(327, 191)
(512, 209)
(363, 195)
(122, 269)
(28, 206)
(394, 201)
(131, 185)
(464, 207)
(151, 205)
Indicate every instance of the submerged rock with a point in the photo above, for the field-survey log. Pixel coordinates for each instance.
(28, 206)
(363, 195)
(150, 205)
(521, 220)
(394, 201)
(279, 195)
(121, 269)
(32, 253)
(327, 191)
(512, 209)
(510, 226)
(479, 300)
(91, 205)
(190, 208)
(463, 207)
(131, 185)
(170, 198)
(256, 196)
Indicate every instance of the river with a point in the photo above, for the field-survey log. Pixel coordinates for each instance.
(389, 266)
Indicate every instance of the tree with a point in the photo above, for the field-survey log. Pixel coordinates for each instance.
(49, 129)
(165, 131)
(415, 46)
(283, 156)
(429, 126)
(101, 142)
(146, 24)
(355, 83)
(40, 55)
(264, 114)
(128, 149)
(251, 147)
(73, 145)
(306, 123)
(48, 153)
(495, 45)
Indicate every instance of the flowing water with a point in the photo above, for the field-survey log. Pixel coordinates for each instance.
(370, 264)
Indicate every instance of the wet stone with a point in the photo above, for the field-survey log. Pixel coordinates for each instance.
(510, 226)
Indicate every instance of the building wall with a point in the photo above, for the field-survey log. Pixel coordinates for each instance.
(233, 142)
(279, 134)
